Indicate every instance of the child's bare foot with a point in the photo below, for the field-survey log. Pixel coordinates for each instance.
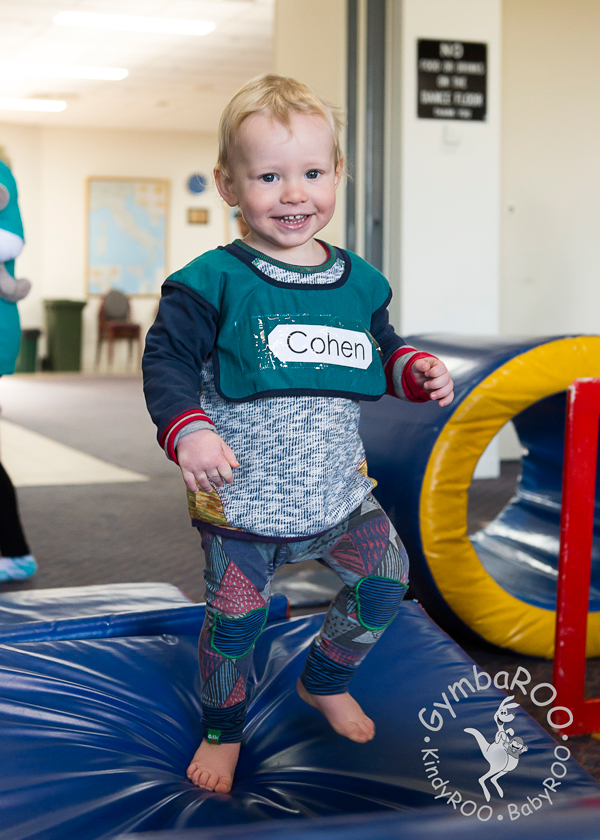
(213, 766)
(343, 713)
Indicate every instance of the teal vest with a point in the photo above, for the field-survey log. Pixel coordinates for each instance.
(290, 339)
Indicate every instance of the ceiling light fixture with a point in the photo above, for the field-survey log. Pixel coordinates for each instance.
(32, 105)
(131, 23)
(62, 71)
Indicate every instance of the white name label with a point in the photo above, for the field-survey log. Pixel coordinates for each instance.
(316, 344)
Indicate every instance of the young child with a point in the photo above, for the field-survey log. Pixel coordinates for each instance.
(256, 362)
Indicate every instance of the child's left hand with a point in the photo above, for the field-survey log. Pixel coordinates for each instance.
(432, 375)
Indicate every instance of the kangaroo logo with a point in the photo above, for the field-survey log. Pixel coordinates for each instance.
(504, 752)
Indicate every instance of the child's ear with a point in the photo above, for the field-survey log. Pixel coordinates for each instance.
(225, 186)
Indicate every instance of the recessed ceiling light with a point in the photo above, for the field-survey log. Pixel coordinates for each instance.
(62, 71)
(131, 23)
(32, 105)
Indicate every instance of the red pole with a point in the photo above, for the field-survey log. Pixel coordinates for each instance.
(575, 557)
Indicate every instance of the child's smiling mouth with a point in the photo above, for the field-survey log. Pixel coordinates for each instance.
(293, 221)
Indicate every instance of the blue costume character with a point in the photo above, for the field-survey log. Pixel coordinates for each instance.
(16, 561)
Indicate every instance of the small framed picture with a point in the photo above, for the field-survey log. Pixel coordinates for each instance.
(197, 215)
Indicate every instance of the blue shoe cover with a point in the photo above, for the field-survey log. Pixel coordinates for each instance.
(17, 568)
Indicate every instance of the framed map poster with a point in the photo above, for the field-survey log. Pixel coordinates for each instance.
(127, 235)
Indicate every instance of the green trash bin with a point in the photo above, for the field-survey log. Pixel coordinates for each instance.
(63, 321)
(28, 352)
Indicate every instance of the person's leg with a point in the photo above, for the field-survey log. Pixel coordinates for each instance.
(16, 561)
(372, 562)
(12, 538)
(238, 583)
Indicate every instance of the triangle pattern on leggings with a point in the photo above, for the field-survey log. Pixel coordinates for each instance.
(238, 693)
(361, 550)
(219, 687)
(210, 660)
(236, 595)
(345, 554)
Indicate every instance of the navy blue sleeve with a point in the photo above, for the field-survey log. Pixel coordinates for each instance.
(181, 338)
(384, 333)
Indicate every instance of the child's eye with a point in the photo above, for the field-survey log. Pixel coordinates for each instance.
(269, 178)
(312, 174)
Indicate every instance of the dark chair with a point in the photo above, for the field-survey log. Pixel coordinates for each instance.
(114, 323)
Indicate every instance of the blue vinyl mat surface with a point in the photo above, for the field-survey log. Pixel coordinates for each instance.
(579, 821)
(106, 611)
(97, 733)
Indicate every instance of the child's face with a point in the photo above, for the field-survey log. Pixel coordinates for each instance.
(284, 183)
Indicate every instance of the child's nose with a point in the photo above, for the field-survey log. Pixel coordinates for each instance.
(293, 192)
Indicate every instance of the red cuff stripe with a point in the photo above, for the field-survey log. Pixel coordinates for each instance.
(389, 367)
(167, 439)
(411, 388)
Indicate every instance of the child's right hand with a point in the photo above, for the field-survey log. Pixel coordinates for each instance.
(204, 457)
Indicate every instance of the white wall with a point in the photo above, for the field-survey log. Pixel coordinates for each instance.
(52, 166)
(444, 199)
(309, 43)
(551, 167)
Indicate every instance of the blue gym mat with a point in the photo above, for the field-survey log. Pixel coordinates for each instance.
(578, 821)
(106, 611)
(97, 733)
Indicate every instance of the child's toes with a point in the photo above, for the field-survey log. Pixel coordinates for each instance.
(203, 779)
(195, 777)
(224, 785)
(369, 728)
(362, 731)
(360, 735)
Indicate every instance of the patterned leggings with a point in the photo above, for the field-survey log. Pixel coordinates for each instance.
(367, 554)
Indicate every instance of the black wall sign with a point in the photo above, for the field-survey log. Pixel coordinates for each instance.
(452, 80)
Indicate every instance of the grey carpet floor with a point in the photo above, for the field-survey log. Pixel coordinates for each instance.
(118, 533)
(103, 533)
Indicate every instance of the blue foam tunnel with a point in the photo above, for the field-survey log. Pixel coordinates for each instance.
(501, 583)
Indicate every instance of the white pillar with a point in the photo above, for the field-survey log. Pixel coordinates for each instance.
(444, 203)
(443, 207)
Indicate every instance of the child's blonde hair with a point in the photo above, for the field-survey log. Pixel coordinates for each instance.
(279, 97)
